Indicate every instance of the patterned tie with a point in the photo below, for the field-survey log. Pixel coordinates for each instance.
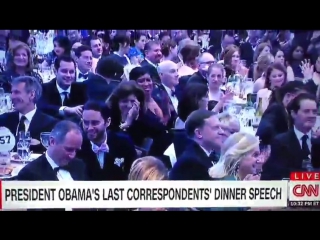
(103, 148)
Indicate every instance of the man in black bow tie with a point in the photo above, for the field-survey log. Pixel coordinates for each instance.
(59, 162)
(83, 57)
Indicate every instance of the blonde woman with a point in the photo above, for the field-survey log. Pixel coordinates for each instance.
(240, 158)
(264, 61)
(148, 168)
(229, 123)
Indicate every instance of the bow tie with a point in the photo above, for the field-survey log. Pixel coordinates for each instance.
(85, 76)
(103, 148)
(66, 168)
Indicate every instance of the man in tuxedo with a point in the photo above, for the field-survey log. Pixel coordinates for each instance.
(59, 162)
(152, 58)
(204, 128)
(168, 72)
(108, 155)
(204, 61)
(62, 97)
(83, 58)
(25, 93)
(99, 86)
(291, 148)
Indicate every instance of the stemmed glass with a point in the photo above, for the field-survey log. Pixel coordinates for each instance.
(45, 137)
(23, 146)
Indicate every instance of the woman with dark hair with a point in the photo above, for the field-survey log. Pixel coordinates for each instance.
(129, 114)
(296, 54)
(279, 57)
(62, 46)
(276, 76)
(275, 119)
(138, 41)
(142, 77)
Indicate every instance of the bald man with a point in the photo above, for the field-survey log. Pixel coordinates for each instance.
(204, 62)
(165, 93)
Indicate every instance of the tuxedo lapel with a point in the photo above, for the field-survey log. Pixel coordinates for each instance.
(46, 171)
(36, 124)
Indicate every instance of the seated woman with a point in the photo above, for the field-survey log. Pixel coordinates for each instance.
(239, 159)
(149, 169)
(142, 77)
(276, 76)
(135, 60)
(275, 120)
(215, 79)
(279, 57)
(194, 97)
(231, 62)
(264, 61)
(230, 124)
(188, 52)
(62, 46)
(131, 116)
(169, 50)
(19, 65)
(311, 73)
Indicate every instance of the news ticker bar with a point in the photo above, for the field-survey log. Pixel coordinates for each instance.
(156, 194)
(143, 194)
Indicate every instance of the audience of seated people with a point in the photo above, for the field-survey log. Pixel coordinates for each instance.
(165, 119)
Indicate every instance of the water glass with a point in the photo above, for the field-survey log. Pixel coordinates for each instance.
(45, 137)
(307, 165)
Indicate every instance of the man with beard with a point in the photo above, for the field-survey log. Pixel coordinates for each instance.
(108, 155)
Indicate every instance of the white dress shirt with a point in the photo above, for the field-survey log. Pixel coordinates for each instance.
(100, 154)
(62, 175)
(173, 99)
(300, 135)
(29, 117)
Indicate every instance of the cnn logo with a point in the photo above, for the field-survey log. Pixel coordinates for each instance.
(306, 191)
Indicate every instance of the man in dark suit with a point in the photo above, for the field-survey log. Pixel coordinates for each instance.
(25, 93)
(204, 62)
(59, 162)
(204, 128)
(275, 120)
(99, 86)
(83, 57)
(290, 149)
(108, 155)
(165, 93)
(62, 97)
(153, 56)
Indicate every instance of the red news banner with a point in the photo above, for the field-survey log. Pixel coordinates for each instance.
(304, 189)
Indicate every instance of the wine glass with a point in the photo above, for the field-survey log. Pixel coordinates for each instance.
(44, 137)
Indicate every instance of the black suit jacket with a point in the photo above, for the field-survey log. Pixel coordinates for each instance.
(40, 123)
(286, 156)
(197, 78)
(193, 164)
(50, 101)
(162, 98)
(97, 88)
(120, 146)
(40, 170)
(274, 121)
(152, 71)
